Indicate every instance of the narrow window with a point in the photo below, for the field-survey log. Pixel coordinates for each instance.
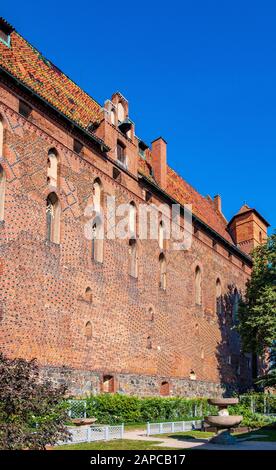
(88, 330)
(121, 112)
(112, 117)
(52, 171)
(198, 294)
(88, 295)
(150, 314)
(53, 218)
(97, 195)
(2, 192)
(149, 342)
(161, 236)
(132, 220)
(97, 236)
(163, 271)
(133, 261)
(218, 297)
(121, 157)
(97, 240)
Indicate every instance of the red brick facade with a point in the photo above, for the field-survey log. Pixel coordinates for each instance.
(124, 333)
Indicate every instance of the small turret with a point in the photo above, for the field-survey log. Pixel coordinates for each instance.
(248, 229)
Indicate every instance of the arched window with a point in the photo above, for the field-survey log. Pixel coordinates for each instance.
(121, 112)
(88, 295)
(132, 220)
(52, 171)
(163, 271)
(97, 240)
(161, 235)
(133, 260)
(2, 192)
(88, 330)
(218, 297)
(192, 375)
(198, 294)
(112, 116)
(235, 305)
(149, 342)
(1, 137)
(97, 195)
(53, 218)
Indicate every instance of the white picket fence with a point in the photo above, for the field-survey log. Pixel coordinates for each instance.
(176, 426)
(94, 433)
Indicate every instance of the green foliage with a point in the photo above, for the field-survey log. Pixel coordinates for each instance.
(116, 408)
(269, 379)
(252, 407)
(32, 412)
(257, 311)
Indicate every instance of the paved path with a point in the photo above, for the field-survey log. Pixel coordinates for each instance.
(199, 444)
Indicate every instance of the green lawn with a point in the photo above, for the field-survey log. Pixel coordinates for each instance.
(120, 444)
(186, 435)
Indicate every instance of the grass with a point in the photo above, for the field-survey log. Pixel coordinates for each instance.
(120, 444)
(187, 435)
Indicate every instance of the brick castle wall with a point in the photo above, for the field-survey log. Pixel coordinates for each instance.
(43, 306)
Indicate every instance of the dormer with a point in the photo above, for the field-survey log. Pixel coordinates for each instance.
(117, 131)
(5, 32)
(248, 229)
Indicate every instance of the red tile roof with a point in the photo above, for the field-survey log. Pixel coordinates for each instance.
(28, 65)
(184, 193)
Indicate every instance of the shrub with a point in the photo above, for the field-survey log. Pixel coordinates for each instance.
(32, 412)
(116, 408)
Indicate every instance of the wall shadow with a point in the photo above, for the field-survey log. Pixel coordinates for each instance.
(235, 368)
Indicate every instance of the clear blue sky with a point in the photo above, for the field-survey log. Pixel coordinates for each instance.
(201, 73)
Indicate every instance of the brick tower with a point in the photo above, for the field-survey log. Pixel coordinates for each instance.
(248, 228)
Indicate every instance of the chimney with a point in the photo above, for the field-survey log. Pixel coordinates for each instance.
(217, 202)
(159, 161)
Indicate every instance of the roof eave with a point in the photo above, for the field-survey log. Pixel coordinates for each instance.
(96, 140)
(216, 235)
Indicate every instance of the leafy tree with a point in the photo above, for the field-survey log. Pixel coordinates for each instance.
(257, 310)
(32, 412)
(269, 379)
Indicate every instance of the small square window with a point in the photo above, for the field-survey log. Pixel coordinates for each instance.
(24, 109)
(78, 146)
(116, 174)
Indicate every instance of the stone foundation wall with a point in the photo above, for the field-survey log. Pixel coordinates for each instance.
(83, 382)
